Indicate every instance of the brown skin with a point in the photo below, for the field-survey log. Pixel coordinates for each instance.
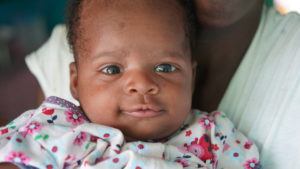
(135, 39)
(8, 166)
(222, 43)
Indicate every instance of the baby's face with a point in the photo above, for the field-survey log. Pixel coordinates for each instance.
(135, 72)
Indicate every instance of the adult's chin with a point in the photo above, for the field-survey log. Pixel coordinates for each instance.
(220, 13)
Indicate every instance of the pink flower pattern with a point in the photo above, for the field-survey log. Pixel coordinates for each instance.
(74, 118)
(17, 157)
(184, 162)
(206, 122)
(251, 164)
(33, 127)
(248, 144)
(82, 137)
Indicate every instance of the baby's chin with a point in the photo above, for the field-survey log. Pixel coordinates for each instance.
(150, 129)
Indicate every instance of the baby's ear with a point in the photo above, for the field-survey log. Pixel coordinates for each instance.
(74, 80)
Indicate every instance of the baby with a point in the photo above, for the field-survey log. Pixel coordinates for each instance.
(133, 76)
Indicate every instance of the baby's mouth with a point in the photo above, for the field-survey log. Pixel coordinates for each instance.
(143, 111)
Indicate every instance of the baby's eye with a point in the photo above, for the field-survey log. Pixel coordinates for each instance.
(165, 68)
(111, 70)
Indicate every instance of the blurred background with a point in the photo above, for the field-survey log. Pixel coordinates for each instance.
(24, 26)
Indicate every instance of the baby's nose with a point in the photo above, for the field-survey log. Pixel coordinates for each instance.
(140, 82)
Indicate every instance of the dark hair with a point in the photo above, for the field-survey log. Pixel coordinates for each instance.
(73, 21)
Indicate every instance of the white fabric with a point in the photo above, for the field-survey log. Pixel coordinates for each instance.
(50, 65)
(263, 98)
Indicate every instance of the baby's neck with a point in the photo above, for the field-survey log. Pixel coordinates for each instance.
(161, 140)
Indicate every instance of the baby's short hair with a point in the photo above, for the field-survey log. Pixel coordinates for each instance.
(75, 7)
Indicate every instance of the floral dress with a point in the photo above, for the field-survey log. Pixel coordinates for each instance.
(57, 135)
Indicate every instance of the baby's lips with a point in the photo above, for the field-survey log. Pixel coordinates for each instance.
(143, 111)
(142, 107)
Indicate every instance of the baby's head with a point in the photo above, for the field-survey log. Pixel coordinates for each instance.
(134, 69)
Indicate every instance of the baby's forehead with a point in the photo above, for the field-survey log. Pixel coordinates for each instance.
(97, 17)
(93, 9)
(130, 4)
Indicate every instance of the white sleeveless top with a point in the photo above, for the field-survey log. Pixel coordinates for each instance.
(263, 98)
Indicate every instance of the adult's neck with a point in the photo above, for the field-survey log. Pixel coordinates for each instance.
(220, 51)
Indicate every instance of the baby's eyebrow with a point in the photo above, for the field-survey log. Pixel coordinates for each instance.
(118, 53)
(172, 54)
(122, 54)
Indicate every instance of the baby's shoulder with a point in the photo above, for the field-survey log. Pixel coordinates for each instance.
(51, 113)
